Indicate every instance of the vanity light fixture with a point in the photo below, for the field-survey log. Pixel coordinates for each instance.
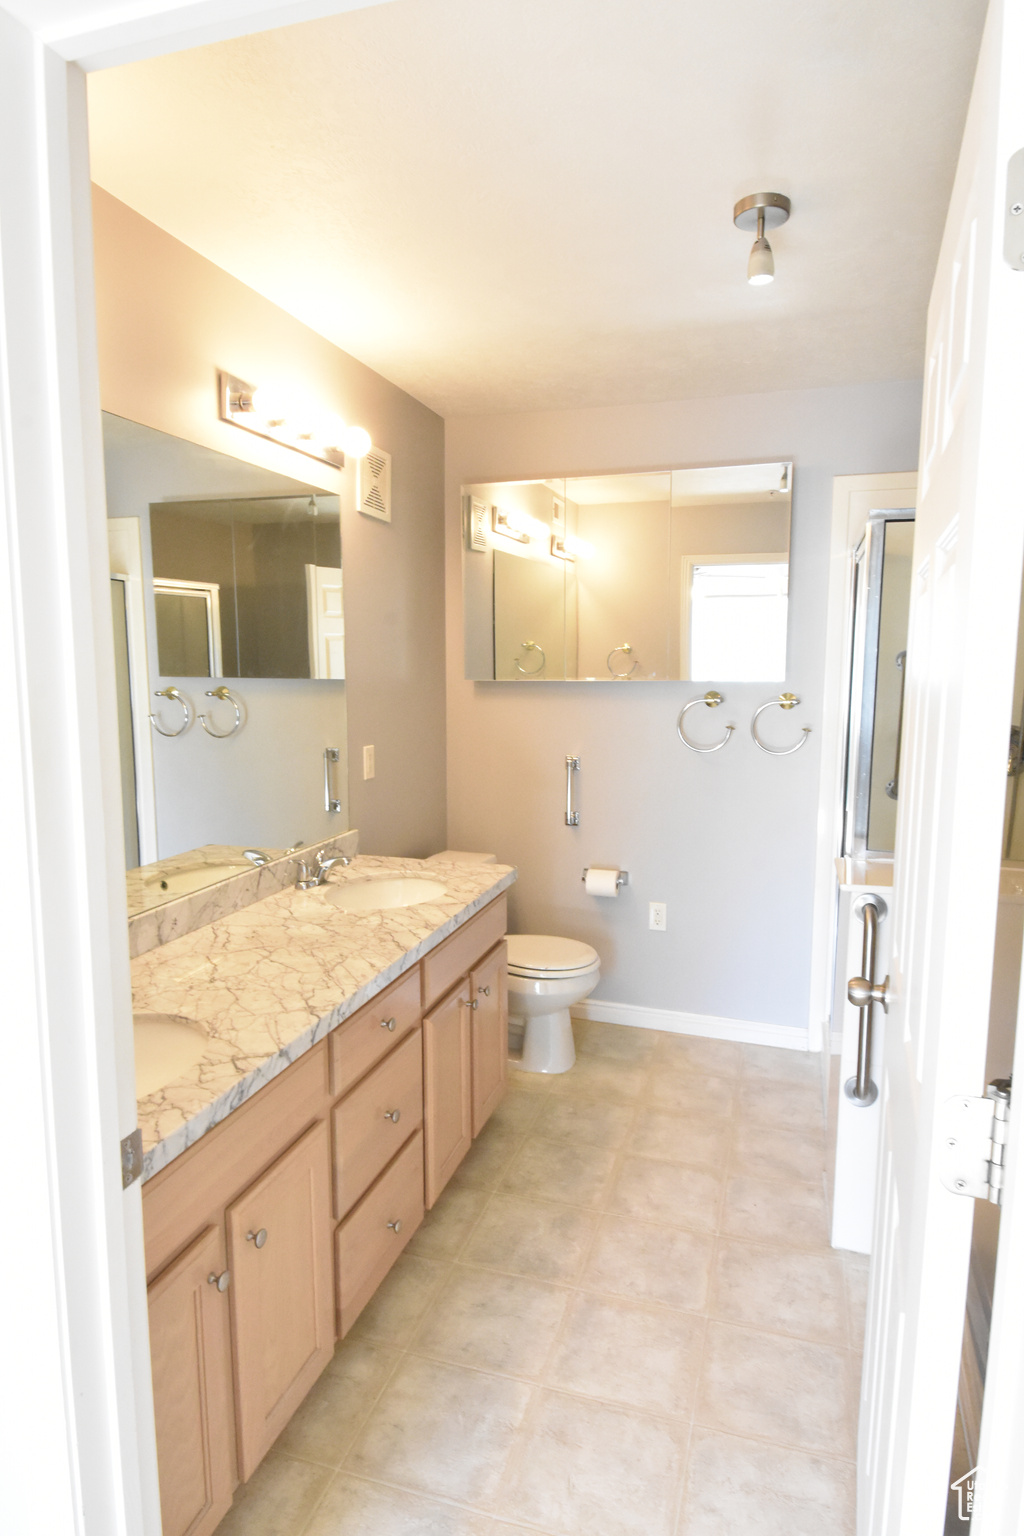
(567, 546)
(758, 212)
(559, 548)
(507, 524)
(286, 419)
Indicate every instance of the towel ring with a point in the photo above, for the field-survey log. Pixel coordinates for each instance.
(712, 700)
(784, 701)
(531, 645)
(229, 698)
(178, 698)
(624, 650)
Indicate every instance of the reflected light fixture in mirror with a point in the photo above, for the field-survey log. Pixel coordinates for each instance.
(284, 417)
(758, 212)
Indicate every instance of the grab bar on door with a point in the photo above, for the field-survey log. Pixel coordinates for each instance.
(572, 817)
(863, 992)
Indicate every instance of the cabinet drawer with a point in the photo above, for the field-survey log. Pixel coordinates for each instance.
(372, 1236)
(444, 965)
(359, 1043)
(372, 1122)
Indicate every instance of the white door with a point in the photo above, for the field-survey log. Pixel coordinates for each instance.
(325, 608)
(961, 652)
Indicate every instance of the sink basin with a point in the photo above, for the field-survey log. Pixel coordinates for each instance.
(166, 1045)
(381, 895)
(187, 878)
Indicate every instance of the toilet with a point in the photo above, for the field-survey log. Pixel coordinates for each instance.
(546, 976)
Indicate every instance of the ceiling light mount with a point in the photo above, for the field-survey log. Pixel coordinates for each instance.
(758, 212)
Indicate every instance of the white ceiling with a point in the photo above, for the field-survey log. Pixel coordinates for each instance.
(527, 204)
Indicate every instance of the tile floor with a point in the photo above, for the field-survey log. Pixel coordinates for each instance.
(622, 1319)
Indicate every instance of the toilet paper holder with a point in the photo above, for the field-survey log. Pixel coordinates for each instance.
(621, 879)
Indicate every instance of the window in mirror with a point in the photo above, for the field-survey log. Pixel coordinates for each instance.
(673, 573)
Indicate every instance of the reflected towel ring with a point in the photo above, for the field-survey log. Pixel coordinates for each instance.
(531, 645)
(178, 698)
(784, 701)
(229, 698)
(624, 650)
(712, 700)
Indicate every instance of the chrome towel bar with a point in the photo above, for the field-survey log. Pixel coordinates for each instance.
(572, 816)
(863, 992)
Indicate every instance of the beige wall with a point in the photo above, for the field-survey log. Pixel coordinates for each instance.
(726, 840)
(168, 320)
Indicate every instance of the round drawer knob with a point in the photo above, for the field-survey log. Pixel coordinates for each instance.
(395, 1226)
(258, 1238)
(388, 1024)
(486, 991)
(394, 1115)
(475, 1004)
(221, 1281)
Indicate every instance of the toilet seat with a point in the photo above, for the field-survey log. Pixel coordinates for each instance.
(544, 957)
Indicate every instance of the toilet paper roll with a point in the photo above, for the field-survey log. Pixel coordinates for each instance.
(602, 882)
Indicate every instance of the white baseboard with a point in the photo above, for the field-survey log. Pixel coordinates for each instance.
(704, 1024)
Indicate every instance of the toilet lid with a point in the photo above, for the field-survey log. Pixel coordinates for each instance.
(538, 954)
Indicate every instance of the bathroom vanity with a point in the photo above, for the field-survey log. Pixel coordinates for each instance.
(275, 1203)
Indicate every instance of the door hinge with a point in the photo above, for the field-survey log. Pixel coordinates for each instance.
(131, 1158)
(974, 1133)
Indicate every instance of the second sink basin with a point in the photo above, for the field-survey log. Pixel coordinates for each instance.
(166, 1045)
(381, 895)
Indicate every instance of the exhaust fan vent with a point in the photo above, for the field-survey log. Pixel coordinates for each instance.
(373, 484)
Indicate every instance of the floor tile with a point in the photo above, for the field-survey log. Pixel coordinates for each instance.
(684, 1090)
(585, 1121)
(560, 1170)
(768, 1061)
(777, 1210)
(735, 1486)
(353, 1507)
(645, 1357)
(856, 1269)
(277, 1500)
(657, 1191)
(787, 1106)
(526, 1237)
(764, 1152)
(586, 1469)
(393, 1314)
(651, 1263)
(782, 1290)
(720, 1058)
(516, 1112)
(682, 1138)
(495, 1322)
(327, 1421)
(488, 1158)
(616, 1082)
(442, 1430)
(446, 1228)
(775, 1388)
(616, 1042)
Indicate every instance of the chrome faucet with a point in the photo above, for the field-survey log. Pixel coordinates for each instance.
(312, 875)
(255, 856)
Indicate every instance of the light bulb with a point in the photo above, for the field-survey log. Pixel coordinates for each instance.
(273, 404)
(761, 266)
(356, 442)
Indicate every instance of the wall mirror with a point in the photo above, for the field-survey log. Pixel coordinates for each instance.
(223, 575)
(666, 574)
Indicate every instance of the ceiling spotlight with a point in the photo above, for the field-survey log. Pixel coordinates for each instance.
(758, 212)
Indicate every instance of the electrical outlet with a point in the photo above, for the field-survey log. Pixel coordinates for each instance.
(659, 916)
(369, 769)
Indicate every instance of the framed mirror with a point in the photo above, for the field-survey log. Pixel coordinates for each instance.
(229, 640)
(667, 574)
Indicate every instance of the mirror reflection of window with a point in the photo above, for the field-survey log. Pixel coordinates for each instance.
(737, 611)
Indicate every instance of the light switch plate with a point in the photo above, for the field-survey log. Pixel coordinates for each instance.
(369, 767)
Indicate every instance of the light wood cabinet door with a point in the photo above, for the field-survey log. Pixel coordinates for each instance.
(488, 984)
(447, 1089)
(279, 1247)
(190, 1346)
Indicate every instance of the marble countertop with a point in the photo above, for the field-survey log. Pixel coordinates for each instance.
(268, 982)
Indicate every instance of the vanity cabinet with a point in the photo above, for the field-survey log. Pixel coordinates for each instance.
(190, 1345)
(299, 1203)
(279, 1252)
